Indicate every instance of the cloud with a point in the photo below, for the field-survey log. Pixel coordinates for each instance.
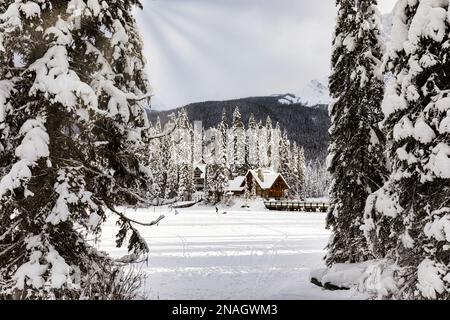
(219, 49)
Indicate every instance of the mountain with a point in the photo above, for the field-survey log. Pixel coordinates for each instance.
(306, 125)
(315, 93)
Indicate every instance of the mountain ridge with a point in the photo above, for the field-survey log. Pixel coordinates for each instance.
(308, 126)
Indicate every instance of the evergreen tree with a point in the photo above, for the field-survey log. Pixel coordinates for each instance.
(269, 133)
(161, 170)
(275, 140)
(219, 172)
(263, 146)
(239, 139)
(73, 132)
(184, 156)
(301, 171)
(186, 186)
(172, 185)
(252, 143)
(408, 219)
(356, 143)
(285, 159)
(294, 174)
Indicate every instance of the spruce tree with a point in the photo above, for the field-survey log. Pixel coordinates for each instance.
(275, 140)
(74, 136)
(356, 143)
(219, 171)
(269, 134)
(252, 143)
(172, 186)
(263, 146)
(239, 139)
(408, 219)
(285, 160)
(294, 162)
(301, 171)
(184, 155)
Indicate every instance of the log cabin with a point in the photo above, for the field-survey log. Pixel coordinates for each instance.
(268, 184)
(200, 176)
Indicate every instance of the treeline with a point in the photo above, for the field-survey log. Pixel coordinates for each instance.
(308, 126)
(227, 151)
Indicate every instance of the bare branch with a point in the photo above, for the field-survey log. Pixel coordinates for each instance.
(149, 224)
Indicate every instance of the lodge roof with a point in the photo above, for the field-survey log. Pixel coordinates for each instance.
(265, 178)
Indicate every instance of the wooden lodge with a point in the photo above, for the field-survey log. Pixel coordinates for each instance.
(200, 176)
(268, 184)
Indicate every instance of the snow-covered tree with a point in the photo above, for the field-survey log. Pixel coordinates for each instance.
(219, 172)
(285, 158)
(317, 180)
(186, 186)
(160, 171)
(356, 144)
(172, 180)
(269, 133)
(239, 140)
(252, 143)
(301, 171)
(198, 142)
(73, 132)
(408, 219)
(263, 146)
(275, 139)
(184, 154)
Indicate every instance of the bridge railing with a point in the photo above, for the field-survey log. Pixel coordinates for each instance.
(297, 206)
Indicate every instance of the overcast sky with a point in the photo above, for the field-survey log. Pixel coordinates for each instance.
(201, 50)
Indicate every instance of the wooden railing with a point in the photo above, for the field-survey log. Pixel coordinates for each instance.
(297, 206)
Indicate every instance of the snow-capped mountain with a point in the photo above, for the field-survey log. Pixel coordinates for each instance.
(314, 93)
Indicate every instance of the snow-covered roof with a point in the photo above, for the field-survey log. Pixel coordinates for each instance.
(237, 184)
(266, 177)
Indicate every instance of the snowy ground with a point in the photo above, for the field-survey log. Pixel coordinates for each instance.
(198, 254)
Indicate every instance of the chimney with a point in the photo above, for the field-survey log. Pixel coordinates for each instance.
(261, 174)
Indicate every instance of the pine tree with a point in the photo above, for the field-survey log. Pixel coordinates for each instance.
(252, 143)
(269, 133)
(239, 139)
(184, 155)
(356, 143)
(301, 171)
(285, 159)
(74, 136)
(172, 185)
(161, 170)
(293, 179)
(408, 219)
(263, 146)
(186, 186)
(219, 172)
(275, 140)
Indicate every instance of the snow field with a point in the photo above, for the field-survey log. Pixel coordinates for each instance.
(198, 254)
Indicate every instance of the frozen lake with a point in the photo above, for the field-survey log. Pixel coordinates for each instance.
(198, 254)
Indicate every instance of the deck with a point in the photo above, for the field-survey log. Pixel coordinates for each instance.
(296, 206)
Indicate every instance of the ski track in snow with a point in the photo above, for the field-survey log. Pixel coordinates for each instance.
(198, 254)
